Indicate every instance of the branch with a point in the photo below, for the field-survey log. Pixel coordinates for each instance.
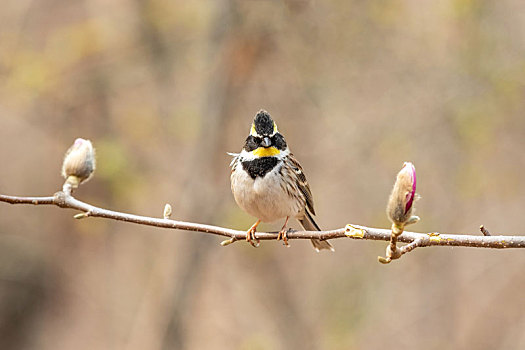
(64, 199)
(79, 165)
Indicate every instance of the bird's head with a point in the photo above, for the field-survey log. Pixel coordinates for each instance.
(264, 139)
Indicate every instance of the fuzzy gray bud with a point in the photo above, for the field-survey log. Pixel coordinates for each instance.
(79, 163)
(401, 201)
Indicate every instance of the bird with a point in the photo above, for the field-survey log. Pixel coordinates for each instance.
(268, 182)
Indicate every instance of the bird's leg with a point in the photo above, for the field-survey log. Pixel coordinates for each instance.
(250, 234)
(282, 233)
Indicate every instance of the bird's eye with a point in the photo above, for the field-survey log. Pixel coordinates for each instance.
(278, 141)
(252, 143)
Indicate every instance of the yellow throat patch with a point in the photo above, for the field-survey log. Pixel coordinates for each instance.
(266, 152)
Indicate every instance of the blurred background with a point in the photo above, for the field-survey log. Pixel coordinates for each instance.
(165, 88)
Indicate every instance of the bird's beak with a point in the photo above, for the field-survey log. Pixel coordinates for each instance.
(266, 142)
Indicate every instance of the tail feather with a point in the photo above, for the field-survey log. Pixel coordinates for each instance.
(309, 224)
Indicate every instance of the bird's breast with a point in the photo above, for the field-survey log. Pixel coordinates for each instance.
(259, 167)
(264, 197)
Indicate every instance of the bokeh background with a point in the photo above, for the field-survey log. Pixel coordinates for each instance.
(164, 88)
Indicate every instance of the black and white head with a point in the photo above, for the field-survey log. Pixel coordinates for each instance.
(264, 139)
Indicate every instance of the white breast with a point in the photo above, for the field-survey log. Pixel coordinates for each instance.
(265, 198)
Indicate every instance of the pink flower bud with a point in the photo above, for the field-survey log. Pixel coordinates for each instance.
(401, 201)
(409, 167)
(79, 162)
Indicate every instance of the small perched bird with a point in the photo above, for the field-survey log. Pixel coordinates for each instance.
(268, 182)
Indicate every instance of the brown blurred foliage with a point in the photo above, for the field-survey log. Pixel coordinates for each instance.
(165, 88)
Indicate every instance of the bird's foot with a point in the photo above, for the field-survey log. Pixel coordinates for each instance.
(250, 235)
(283, 236)
(283, 233)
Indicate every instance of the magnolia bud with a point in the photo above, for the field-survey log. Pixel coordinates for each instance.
(401, 201)
(79, 163)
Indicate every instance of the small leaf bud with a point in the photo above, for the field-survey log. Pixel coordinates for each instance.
(167, 211)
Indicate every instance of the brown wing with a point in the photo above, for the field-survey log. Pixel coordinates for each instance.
(302, 183)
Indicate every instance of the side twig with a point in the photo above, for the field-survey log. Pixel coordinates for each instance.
(484, 231)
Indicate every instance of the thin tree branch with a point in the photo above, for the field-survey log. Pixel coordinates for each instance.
(63, 199)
